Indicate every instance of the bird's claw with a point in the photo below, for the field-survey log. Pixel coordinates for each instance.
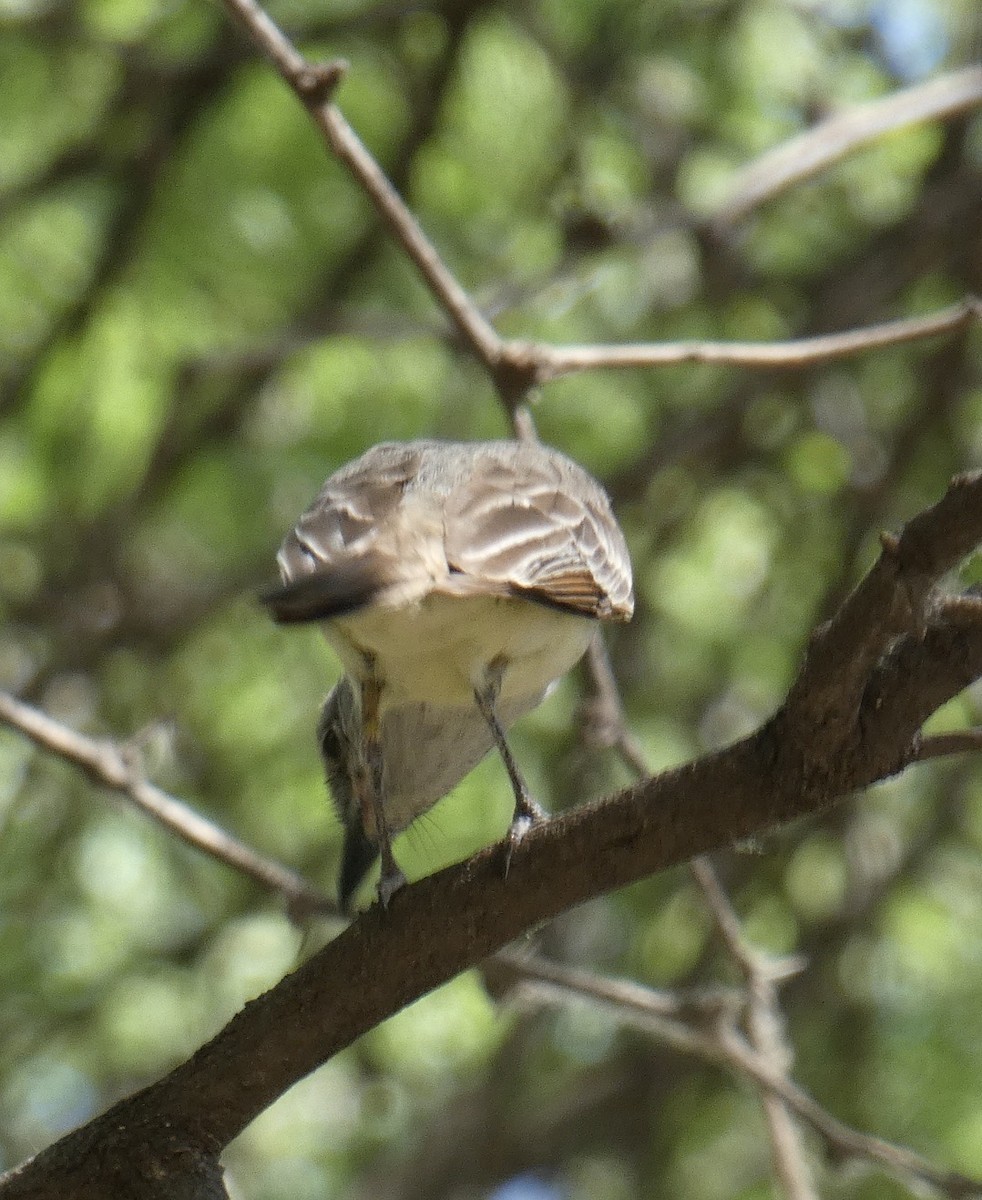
(389, 883)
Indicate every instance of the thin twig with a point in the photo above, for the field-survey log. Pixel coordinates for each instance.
(477, 333)
(831, 140)
(118, 768)
(938, 745)
(720, 1042)
(766, 1030)
(554, 361)
(764, 1020)
(699, 1005)
(515, 366)
(607, 722)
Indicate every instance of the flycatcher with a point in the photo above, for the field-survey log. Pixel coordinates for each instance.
(456, 582)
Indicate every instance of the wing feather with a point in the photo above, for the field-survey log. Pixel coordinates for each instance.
(500, 518)
(337, 557)
(539, 524)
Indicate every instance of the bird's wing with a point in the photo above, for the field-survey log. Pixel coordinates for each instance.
(540, 526)
(504, 519)
(342, 553)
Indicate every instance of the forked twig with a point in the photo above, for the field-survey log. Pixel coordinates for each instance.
(706, 1026)
(515, 365)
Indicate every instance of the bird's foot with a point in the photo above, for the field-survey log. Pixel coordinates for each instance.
(528, 813)
(390, 881)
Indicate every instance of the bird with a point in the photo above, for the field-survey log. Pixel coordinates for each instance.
(456, 582)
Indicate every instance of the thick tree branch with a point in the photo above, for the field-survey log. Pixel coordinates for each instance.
(808, 757)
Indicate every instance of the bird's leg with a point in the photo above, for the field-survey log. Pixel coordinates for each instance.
(391, 878)
(527, 811)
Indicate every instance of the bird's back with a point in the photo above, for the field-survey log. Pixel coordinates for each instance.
(498, 518)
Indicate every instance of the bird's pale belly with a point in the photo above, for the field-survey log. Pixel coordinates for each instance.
(437, 651)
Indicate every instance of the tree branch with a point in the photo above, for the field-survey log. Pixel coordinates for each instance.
(706, 1026)
(515, 366)
(939, 745)
(765, 1031)
(314, 86)
(119, 768)
(831, 140)
(806, 758)
(551, 362)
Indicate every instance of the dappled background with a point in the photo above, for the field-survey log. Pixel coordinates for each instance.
(200, 318)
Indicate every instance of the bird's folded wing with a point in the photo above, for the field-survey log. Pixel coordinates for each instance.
(338, 558)
(320, 595)
(511, 520)
(544, 530)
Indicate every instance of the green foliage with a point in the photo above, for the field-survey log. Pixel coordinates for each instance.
(200, 318)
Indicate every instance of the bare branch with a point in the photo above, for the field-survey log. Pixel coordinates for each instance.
(939, 745)
(831, 140)
(477, 333)
(552, 362)
(692, 1005)
(717, 1040)
(606, 721)
(766, 1032)
(119, 769)
(765, 1023)
(516, 365)
(892, 600)
(450, 921)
